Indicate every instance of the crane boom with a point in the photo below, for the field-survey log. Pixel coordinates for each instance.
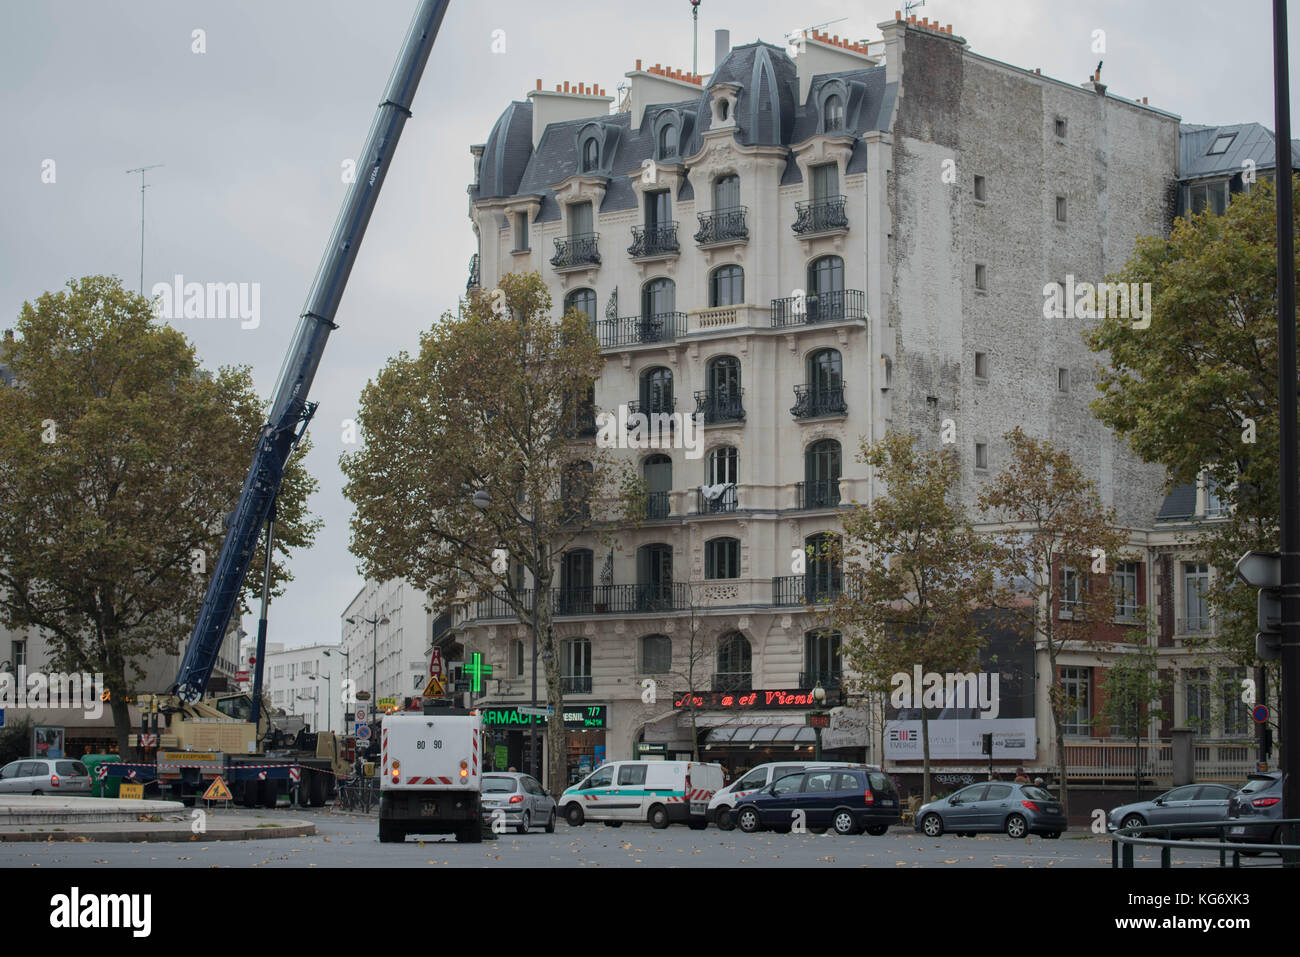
(290, 410)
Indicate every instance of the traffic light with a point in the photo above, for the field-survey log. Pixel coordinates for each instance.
(986, 744)
(1263, 570)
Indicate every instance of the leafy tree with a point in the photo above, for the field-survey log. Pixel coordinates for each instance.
(1059, 527)
(491, 404)
(1197, 390)
(1133, 689)
(120, 457)
(915, 572)
(15, 740)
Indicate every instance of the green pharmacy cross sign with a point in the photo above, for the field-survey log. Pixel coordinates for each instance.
(477, 672)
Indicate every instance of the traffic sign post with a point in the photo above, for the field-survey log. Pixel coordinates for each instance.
(363, 732)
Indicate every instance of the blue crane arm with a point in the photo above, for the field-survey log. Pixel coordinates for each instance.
(290, 409)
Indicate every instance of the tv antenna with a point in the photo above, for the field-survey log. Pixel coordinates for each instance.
(911, 5)
(816, 26)
(141, 170)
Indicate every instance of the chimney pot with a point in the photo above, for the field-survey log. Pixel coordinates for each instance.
(539, 83)
(638, 64)
(898, 14)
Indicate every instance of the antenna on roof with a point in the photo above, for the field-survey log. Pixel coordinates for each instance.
(816, 26)
(911, 5)
(143, 186)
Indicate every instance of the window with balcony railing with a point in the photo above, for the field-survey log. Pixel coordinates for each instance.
(720, 405)
(820, 493)
(581, 249)
(723, 226)
(735, 667)
(655, 239)
(811, 401)
(821, 215)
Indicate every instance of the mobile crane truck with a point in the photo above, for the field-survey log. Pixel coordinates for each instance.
(211, 736)
(432, 776)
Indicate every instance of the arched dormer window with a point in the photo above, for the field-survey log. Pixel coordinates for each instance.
(667, 141)
(833, 114)
(590, 155)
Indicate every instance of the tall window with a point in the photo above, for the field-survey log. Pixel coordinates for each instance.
(656, 654)
(1196, 684)
(1236, 714)
(726, 193)
(825, 371)
(722, 558)
(823, 577)
(821, 657)
(727, 286)
(825, 274)
(723, 466)
(1196, 608)
(584, 300)
(723, 377)
(580, 219)
(1071, 592)
(1214, 506)
(825, 182)
(517, 658)
(822, 474)
(1075, 684)
(654, 576)
(658, 208)
(521, 231)
(659, 484)
(657, 390)
(576, 581)
(575, 661)
(735, 662)
(576, 480)
(1124, 584)
(833, 114)
(668, 141)
(658, 296)
(590, 155)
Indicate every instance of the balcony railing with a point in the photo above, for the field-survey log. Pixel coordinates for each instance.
(1219, 761)
(593, 600)
(575, 684)
(725, 502)
(578, 250)
(820, 215)
(659, 407)
(807, 589)
(730, 681)
(472, 282)
(633, 330)
(657, 505)
(811, 401)
(723, 226)
(822, 493)
(720, 405)
(659, 239)
(827, 678)
(819, 307)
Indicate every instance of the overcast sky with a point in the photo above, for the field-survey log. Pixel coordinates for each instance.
(253, 133)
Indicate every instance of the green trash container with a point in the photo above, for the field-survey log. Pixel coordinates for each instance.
(107, 787)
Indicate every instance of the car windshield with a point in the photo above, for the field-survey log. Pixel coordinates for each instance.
(498, 785)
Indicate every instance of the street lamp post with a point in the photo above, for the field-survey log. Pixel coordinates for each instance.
(329, 699)
(374, 624)
(819, 697)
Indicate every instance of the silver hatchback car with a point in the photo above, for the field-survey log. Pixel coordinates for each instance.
(517, 799)
(44, 776)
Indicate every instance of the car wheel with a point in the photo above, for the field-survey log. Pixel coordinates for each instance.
(1017, 826)
(877, 829)
(658, 817)
(550, 823)
(844, 822)
(932, 825)
(724, 821)
(573, 814)
(523, 826)
(1133, 820)
(747, 820)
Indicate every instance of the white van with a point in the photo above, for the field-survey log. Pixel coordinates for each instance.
(720, 807)
(660, 792)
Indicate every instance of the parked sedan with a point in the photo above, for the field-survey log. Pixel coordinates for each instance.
(847, 799)
(1017, 809)
(520, 801)
(44, 776)
(1257, 805)
(1189, 804)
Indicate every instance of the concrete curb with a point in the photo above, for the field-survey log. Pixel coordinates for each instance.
(179, 833)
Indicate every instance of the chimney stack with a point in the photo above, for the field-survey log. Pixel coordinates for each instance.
(721, 47)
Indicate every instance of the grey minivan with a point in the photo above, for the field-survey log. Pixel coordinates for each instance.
(44, 776)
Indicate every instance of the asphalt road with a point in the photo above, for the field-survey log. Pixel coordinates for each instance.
(348, 840)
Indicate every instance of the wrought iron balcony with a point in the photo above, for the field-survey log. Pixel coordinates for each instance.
(634, 330)
(819, 307)
(472, 283)
(575, 684)
(659, 239)
(820, 215)
(829, 679)
(725, 502)
(650, 410)
(720, 405)
(657, 505)
(728, 681)
(811, 401)
(812, 589)
(723, 226)
(578, 250)
(592, 600)
(821, 493)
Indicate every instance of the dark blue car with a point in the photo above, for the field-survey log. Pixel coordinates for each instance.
(847, 800)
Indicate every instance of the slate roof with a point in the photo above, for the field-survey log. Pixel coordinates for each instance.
(1180, 503)
(1250, 141)
(767, 113)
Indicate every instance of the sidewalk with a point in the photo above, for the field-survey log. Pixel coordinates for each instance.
(107, 819)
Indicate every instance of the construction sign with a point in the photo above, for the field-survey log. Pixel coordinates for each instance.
(131, 792)
(434, 688)
(217, 791)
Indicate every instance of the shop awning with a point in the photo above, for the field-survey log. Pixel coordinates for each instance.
(786, 735)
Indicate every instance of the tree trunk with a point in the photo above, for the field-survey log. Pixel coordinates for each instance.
(121, 725)
(556, 738)
(925, 766)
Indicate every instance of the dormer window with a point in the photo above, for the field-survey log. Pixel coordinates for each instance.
(724, 109)
(1221, 144)
(833, 114)
(668, 142)
(590, 155)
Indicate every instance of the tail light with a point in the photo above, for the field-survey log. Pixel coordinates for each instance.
(1030, 806)
(54, 780)
(868, 798)
(1265, 802)
(516, 799)
(464, 770)
(396, 767)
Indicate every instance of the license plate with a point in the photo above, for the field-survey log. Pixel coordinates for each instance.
(1053, 808)
(886, 803)
(428, 810)
(1236, 830)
